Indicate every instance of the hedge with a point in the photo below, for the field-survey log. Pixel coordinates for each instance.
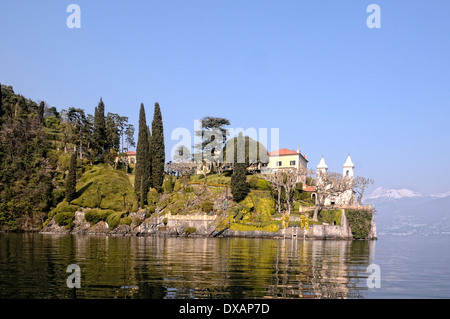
(65, 219)
(360, 223)
(94, 216)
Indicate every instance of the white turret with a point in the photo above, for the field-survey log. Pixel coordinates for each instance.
(348, 168)
(322, 167)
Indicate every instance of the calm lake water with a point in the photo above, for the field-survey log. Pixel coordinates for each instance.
(34, 266)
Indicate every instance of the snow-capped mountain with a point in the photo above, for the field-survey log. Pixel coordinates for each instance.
(381, 193)
(406, 212)
(440, 195)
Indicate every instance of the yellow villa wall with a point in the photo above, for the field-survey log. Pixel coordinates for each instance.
(285, 160)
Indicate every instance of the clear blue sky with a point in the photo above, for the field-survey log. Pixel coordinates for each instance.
(313, 69)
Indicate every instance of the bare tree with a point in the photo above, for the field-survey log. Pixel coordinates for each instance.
(304, 172)
(183, 164)
(290, 176)
(330, 184)
(276, 181)
(204, 167)
(283, 178)
(219, 167)
(360, 184)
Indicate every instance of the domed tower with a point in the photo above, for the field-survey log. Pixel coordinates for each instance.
(348, 168)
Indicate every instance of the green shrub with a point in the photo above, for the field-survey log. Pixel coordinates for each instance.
(332, 217)
(168, 185)
(206, 206)
(106, 186)
(225, 204)
(360, 223)
(65, 219)
(165, 221)
(152, 196)
(58, 195)
(151, 208)
(259, 183)
(188, 189)
(63, 207)
(190, 230)
(268, 227)
(265, 205)
(126, 221)
(177, 186)
(114, 219)
(94, 216)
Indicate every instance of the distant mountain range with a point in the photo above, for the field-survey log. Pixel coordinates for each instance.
(406, 212)
(381, 193)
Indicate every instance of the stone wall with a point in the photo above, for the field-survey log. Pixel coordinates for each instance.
(205, 226)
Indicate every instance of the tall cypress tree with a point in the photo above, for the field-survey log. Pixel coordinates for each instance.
(239, 185)
(100, 128)
(149, 136)
(158, 152)
(2, 111)
(142, 168)
(40, 113)
(1, 105)
(71, 181)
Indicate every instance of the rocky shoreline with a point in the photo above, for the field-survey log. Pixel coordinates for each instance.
(195, 225)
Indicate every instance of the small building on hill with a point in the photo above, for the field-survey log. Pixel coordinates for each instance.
(131, 155)
(285, 158)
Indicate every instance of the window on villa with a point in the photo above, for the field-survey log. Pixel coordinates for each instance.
(279, 163)
(292, 163)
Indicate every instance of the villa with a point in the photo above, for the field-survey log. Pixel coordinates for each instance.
(285, 158)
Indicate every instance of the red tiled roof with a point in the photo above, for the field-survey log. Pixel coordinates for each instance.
(131, 153)
(310, 189)
(283, 151)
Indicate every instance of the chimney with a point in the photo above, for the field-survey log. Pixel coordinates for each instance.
(298, 150)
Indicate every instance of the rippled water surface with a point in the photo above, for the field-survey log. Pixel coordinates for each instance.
(34, 266)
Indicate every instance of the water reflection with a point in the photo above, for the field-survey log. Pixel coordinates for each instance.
(34, 266)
